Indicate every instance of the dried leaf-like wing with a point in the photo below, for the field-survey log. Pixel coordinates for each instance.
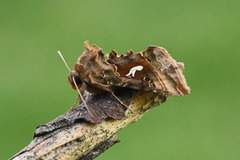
(153, 70)
(168, 70)
(93, 68)
(144, 77)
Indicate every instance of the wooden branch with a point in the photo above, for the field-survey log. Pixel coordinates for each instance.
(77, 135)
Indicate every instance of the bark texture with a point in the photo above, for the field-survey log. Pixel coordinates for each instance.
(79, 135)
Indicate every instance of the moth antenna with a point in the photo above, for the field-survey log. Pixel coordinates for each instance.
(60, 54)
(74, 81)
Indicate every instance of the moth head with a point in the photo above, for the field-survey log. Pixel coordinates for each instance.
(73, 74)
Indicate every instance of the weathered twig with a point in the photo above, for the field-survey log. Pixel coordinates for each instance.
(75, 136)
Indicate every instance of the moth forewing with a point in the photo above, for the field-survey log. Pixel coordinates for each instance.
(168, 70)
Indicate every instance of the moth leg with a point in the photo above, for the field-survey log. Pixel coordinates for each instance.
(120, 101)
(81, 96)
(82, 90)
(77, 99)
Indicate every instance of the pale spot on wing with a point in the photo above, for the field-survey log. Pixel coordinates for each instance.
(133, 70)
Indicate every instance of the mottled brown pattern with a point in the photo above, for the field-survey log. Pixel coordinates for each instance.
(108, 72)
(93, 69)
(96, 72)
(168, 70)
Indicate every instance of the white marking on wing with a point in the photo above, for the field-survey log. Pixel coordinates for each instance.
(133, 70)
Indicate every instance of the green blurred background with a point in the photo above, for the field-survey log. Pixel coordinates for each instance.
(205, 35)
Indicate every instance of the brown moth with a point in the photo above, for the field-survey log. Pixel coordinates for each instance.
(93, 71)
(152, 70)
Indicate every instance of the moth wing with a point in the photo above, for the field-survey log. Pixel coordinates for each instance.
(136, 72)
(93, 68)
(168, 70)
